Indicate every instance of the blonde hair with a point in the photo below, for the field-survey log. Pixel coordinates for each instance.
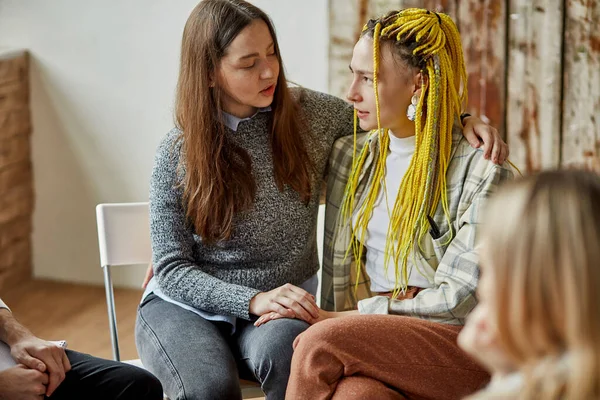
(542, 239)
(429, 42)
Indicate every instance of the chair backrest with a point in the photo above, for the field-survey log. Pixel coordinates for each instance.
(123, 233)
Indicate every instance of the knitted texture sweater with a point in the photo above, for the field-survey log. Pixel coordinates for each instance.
(273, 243)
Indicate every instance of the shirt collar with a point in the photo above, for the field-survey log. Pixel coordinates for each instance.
(232, 122)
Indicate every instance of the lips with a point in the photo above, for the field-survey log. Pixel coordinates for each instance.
(362, 114)
(268, 91)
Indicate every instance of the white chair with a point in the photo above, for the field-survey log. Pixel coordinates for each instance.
(124, 239)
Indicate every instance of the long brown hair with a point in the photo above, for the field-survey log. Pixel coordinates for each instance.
(217, 174)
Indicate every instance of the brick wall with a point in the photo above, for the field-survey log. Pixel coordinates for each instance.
(16, 179)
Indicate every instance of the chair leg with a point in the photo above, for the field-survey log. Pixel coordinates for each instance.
(112, 316)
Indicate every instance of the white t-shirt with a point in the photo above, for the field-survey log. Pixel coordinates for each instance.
(396, 164)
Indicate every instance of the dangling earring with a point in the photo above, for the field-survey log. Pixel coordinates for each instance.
(411, 111)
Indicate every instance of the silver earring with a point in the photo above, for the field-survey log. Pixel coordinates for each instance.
(411, 111)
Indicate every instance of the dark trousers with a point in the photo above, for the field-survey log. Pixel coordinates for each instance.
(92, 378)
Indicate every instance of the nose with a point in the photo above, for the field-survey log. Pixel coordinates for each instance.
(270, 69)
(353, 95)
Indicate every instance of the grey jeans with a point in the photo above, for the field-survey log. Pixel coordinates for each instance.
(199, 359)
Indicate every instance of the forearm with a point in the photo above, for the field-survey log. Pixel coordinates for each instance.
(337, 314)
(448, 303)
(11, 331)
(189, 285)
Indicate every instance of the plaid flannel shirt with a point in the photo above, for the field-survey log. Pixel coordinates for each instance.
(452, 268)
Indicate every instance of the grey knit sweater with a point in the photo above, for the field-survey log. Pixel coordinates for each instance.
(272, 244)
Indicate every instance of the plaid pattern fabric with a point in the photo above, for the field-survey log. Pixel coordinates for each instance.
(451, 267)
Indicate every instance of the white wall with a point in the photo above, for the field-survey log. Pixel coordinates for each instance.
(103, 78)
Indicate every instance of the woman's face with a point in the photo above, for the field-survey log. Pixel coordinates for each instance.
(248, 71)
(395, 81)
(479, 337)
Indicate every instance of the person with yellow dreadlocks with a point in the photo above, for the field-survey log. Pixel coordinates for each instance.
(403, 204)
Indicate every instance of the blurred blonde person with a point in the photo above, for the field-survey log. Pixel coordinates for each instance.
(537, 325)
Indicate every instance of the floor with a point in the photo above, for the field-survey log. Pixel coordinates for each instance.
(77, 314)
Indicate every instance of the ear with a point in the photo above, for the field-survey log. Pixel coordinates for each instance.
(419, 82)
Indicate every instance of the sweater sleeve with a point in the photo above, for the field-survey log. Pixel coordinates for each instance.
(341, 117)
(328, 111)
(331, 117)
(177, 273)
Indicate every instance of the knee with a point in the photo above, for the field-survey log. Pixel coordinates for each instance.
(217, 392)
(205, 388)
(271, 361)
(352, 387)
(281, 340)
(364, 388)
(323, 336)
(153, 389)
(143, 386)
(220, 385)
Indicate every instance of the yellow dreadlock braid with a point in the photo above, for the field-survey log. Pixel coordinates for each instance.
(436, 43)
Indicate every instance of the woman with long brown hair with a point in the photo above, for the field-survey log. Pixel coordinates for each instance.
(233, 209)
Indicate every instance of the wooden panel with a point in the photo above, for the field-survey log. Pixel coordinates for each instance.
(344, 16)
(16, 180)
(581, 112)
(534, 84)
(346, 20)
(380, 7)
(14, 95)
(483, 31)
(15, 122)
(449, 7)
(445, 6)
(14, 67)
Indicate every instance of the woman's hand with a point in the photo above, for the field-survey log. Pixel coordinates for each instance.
(149, 275)
(480, 340)
(271, 316)
(476, 131)
(323, 315)
(288, 301)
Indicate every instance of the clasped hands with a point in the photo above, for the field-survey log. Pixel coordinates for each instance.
(287, 301)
